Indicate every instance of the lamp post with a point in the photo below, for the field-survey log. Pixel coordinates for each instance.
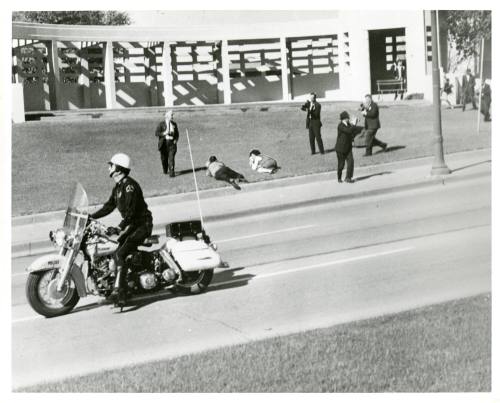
(439, 165)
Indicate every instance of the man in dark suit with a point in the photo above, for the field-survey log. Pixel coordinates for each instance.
(168, 134)
(313, 123)
(372, 124)
(346, 131)
(486, 101)
(468, 87)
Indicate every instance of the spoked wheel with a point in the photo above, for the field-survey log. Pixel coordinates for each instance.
(42, 294)
(195, 282)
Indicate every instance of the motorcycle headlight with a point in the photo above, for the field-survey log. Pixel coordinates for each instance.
(59, 237)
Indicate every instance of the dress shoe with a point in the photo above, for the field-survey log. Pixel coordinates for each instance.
(339, 180)
(172, 175)
(349, 180)
(384, 147)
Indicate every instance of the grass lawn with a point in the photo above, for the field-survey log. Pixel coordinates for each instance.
(439, 348)
(47, 156)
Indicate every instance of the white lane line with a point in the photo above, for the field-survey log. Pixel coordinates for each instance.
(316, 266)
(265, 233)
(279, 273)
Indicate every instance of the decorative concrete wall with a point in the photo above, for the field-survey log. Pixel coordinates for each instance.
(75, 67)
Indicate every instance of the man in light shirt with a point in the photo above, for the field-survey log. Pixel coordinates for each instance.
(168, 134)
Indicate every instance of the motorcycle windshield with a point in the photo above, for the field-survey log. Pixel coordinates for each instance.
(77, 214)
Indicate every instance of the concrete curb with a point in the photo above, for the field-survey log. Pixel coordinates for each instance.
(255, 186)
(38, 247)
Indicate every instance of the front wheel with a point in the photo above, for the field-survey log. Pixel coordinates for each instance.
(42, 294)
(195, 282)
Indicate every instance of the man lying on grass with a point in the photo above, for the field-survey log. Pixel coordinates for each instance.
(221, 172)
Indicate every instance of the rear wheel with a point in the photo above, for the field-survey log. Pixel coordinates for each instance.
(195, 282)
(42, 294)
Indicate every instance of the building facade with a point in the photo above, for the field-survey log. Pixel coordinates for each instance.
(340, 56)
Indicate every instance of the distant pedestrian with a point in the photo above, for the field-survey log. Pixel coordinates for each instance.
(218, 170)
(399, 73)
(313, 123)
(486, 101)
(168, 135)
(262, 163)
(346, 131)
(447, 91)
(372, 124)
(468, 90)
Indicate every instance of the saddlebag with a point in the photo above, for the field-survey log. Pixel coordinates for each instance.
(192, 255)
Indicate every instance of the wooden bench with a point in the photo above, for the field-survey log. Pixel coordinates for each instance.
(390, 86)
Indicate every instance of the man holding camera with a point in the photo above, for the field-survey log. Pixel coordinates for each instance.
(313, 123)
(372, 124)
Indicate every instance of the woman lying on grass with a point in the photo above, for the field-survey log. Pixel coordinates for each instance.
(221, 172)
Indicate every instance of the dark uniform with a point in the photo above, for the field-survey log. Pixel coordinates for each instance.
(167, 148)
(137, 221)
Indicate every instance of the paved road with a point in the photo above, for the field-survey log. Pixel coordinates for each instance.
(289, 271)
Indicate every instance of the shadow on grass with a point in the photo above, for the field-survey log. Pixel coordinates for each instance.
(362, 178)
(188, 171)
(391, 149)
(471, 165)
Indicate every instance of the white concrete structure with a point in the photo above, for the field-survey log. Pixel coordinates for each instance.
(338, 54)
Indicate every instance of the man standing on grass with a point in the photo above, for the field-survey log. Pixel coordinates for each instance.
(468, 90)
(168, 134)
(346, 131)
(372, 124)
(313, 123)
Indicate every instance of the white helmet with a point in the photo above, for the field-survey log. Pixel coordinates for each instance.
(122, 160)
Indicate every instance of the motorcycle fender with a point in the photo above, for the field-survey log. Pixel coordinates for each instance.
(79, 280)
(55, 262)
(46, 262)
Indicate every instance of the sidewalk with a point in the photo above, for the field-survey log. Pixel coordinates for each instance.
(30, 233)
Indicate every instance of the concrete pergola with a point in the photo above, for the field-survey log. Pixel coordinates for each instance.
(168, 36)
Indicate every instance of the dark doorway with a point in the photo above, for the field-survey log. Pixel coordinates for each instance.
(386, 46)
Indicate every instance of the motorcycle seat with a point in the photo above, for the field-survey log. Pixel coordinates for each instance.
(151, 240)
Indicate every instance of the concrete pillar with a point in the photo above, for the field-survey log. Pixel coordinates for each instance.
(285, 79)
(84, 78)
(166, 72)
(17, 103)
(109, 76)
(226, 79)
(54, 77)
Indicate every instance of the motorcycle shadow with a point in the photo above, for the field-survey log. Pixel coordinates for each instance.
(223, 280)
(229, 279)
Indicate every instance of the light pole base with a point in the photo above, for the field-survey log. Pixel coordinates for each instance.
(440, 170)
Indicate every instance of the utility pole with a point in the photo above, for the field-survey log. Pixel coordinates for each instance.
(439, 165)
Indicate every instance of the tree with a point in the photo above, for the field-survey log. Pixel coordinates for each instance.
(73, 17)
(466, 28)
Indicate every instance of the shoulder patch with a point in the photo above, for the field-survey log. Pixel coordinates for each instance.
(129, 188)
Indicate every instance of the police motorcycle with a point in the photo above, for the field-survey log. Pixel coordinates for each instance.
(182, 260)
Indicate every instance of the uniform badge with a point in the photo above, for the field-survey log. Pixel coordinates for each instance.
(129, 189)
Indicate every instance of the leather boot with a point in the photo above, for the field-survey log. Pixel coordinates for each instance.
(118, 294)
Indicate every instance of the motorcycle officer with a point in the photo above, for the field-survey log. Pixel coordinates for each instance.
(137, 221)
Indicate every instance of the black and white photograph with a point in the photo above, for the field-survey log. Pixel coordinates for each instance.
(247, 200)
